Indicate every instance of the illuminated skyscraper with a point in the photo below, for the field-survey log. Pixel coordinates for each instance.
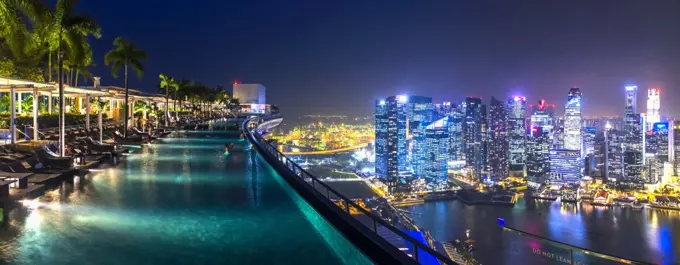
(391, 144)
(633, 135)
(517, 132)
(420, 113)
(498, 139)
(653, 106)
(538, 160)
(456, 119)
(613, 154)
(572, 120)
(543, 115)
(472, 135)
(437, 157)
(381, 125)
(665, 145)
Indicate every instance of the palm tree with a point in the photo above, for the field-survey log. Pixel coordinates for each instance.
(101, 105)
(167, 83)
(125, 54)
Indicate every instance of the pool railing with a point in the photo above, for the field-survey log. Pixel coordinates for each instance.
(250, 127)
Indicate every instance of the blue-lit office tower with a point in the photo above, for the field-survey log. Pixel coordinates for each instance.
(543, 115)
(633, 134)
(498, 139)
(391, 143)
(565, 165)
(420, 113)
(517, 131)
(456, 120)
(572, 120)
(485, 140)
(472, 136)
(381, 133)
(437, 140)
(589, 134)
(665, 145)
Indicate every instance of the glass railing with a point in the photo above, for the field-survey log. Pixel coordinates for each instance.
(420, 252)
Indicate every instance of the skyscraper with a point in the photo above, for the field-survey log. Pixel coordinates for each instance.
(472, 135)
(391, 143)
(653, 106)
(456, 120)
(538, 160)
(632, 138)
(572, 120)
(517, 132)
(420, 113)
(543, 115)
(498, 139)
(665, 145)
(613, 154)
(381, 125)
(437, 139)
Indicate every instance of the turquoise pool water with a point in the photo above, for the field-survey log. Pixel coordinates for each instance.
(179, 201)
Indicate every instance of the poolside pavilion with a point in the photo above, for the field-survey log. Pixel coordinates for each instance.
(75, 97)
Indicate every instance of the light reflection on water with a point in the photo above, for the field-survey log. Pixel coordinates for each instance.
(179, 202)
(649, 235)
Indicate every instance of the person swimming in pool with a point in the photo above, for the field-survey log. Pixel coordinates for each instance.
(227, 148)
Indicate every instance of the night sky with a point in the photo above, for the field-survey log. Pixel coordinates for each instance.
(338, 57)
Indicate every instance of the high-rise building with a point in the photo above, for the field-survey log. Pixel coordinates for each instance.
(565, 165)
(632, 161)
(613, 154)
(589, 134)
(485, 141)
(391, 144)
(381, 125)
(420, 113)
(543, 115)
(633, 139)
(665, 145)
(517, 132)
(472, 136)
(437, 139)
(676, 146)
(653, 106)
(456, 120)
(572, 120)
(538, 160)
(498, 139)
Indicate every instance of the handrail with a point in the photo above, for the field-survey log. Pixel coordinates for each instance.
(303, 174)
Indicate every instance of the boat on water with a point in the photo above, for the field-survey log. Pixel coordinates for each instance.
(637, 205)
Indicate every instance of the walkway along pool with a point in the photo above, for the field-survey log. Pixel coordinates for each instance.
(178, 201)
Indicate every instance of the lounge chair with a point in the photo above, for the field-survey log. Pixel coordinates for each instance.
(96, 146)
(132, 139)
(50, 160)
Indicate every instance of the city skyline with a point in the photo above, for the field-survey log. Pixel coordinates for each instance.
(345, 55)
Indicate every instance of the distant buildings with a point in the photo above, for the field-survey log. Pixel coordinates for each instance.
(420, 113)
(252, 97)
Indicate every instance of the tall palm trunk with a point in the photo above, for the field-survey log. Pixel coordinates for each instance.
(174, 105)
(62, 117)
(49, 66)
(127, 107)
(76, 80)
(167, 104)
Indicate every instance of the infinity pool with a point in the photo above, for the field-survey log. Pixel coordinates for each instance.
(179, 201)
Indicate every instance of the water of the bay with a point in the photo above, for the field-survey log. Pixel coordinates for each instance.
(648, 235)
